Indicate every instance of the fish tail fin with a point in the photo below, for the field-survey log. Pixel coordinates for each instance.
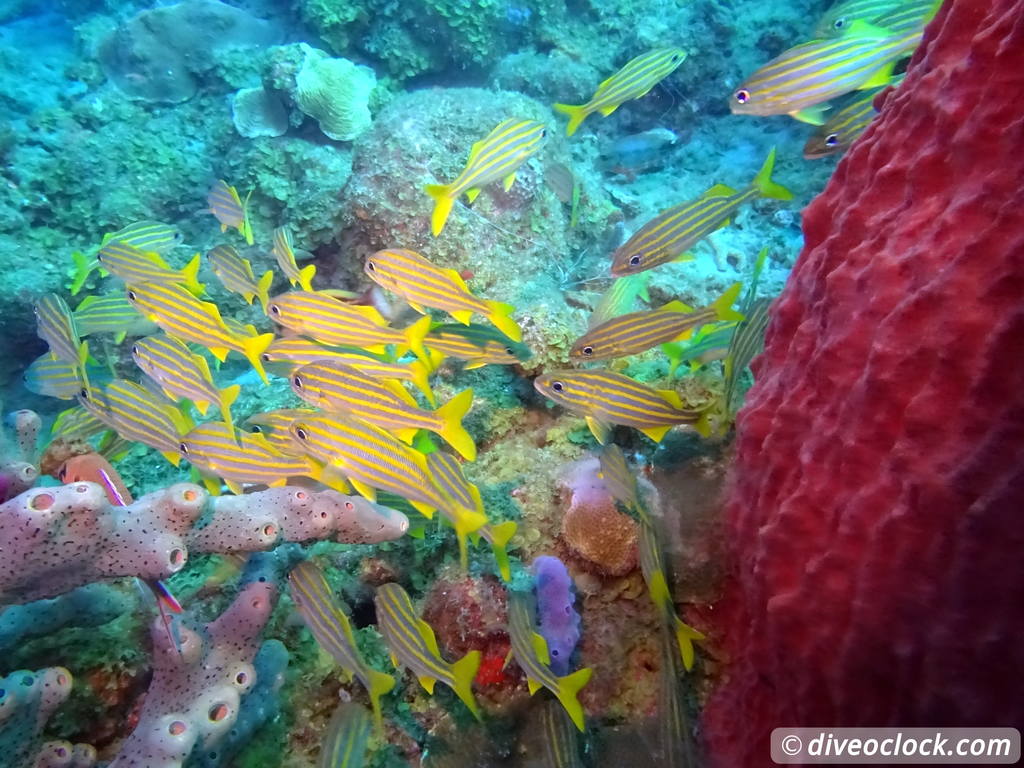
(501, 316)
(685, 635)
(263, 289)
(577, 114)
(568, 687)
(306, 277)
(463, 672)
(228, 395)
(764, 184)
(452, 431)
(378, 685)
(190, 274)
(501, 534)
(253, 347)
(415, 334)
(83, 268)
(723, 304)
(419, 375)
(443, 202)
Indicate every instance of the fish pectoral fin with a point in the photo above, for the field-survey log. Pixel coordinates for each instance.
(671, 397)
(814, 115)
(600, 430)
(427, 683)
(424, 509)
(464, 316)
(363, 489)
(234, 487)
(472, 193)
(879, 78)
(221, 353)
(508, 181)
(540, 647)
(533, 685)
(405, 434)
(418, 307)
(605, 111)
(656, 434)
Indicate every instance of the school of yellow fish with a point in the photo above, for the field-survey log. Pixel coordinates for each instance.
(360, 427)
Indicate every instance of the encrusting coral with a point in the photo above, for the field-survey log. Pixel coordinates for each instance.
(336, 93)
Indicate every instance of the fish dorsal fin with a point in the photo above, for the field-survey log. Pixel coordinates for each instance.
(719, 190)
(676, 306)
(540, 647)
(203, 366)
(427, 633)
(474, 151)
(457, 279)
(394, 386)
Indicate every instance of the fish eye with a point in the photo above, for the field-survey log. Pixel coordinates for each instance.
(634, 260)
(275, 310)
(183, 449)
(256, 429)
(743, 96)
(83, 393)
(675, 58)
(839, 23)
(297, 381)
(832, 140)
(301, 434)
(588, 351)
(370, 266)
(557, 386)
(135, 349)
(509, 350)
(131, 295)
(265, 358)
(543, 132)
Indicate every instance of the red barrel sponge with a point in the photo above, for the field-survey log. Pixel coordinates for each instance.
(876, 511)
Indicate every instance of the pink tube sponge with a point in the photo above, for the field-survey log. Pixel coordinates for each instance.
(879, 477)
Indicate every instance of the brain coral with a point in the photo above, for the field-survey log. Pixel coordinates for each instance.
(879, 478)
(336, 93)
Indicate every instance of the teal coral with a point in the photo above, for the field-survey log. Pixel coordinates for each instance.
(335, 93)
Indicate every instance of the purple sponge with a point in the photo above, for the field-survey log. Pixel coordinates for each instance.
(558, 620)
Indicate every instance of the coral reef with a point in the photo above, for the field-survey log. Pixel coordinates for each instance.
(335, 93)
(874, 509)
(602, 538)
(258, 112)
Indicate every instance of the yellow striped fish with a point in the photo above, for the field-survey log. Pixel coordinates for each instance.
(386, 403)
(150, 236)
(348, 732)
(137, 414)
(747, 343)
(673, 728)
(183, 316)
(332, 322)
(333, 630)
(76, 423)
(605, 397)
(619, 479)
(668, 235)
(620, 298)
(134, 266)
(836, 20)
(653, 569)
(285, 256)
(477, 345)
(229, 209)
(799, 80)
(843, 127)
(236, 275)
(239, 458)
(634, 80)
(183, 375)
(110, 314)
(53, 378)
(369, 458)
(423, 284)
(530, 651)
(910, 15)
(274, 426)
(560, 740)
(710, 343)
(56, 326)
(412, 644)
(639, 331)
(450, 480)
(296, 352)
(497, 156)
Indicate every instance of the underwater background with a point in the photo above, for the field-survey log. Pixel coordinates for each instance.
(345, 340)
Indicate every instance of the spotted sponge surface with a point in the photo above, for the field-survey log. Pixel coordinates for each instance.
(875, 511)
